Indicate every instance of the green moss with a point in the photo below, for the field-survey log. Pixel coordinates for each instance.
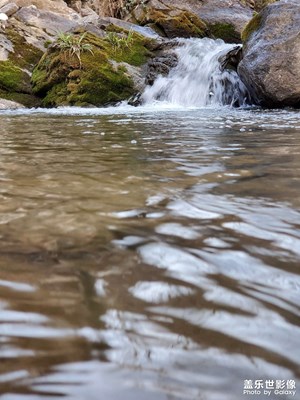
(135, 53)
(13, 78)
(56, 96)
(61, 79)
(47, 43)
(25, 55)
(181, 24)
(114, 28)
(251, 27)
(224, 31)
(52, 69)
(100, 88)
(15, 82)
(27, 100)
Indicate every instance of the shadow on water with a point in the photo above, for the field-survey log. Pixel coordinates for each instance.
(152, 254)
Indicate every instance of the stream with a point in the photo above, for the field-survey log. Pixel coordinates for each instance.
(149, 253)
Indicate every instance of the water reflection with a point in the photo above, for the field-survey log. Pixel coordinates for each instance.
(148, 260)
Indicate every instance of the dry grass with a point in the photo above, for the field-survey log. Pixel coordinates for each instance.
(113, 8)
(257, 5)
(119, 8)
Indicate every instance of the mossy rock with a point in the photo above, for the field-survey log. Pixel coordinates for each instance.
(185, 24)
(224, 31)
(252, 26)
(172, 22)
(93, 77)
(15, 78)
(28, 100)
(12, 78)
(25, 55)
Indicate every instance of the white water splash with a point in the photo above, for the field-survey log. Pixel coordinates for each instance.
(198, 80)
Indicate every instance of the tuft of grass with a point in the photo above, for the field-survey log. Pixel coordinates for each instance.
(72, 45)
(119, 42)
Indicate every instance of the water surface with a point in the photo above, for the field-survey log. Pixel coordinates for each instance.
(148, 253)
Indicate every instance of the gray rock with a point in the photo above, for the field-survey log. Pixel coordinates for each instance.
(231, 59)
(48, 21)
(230, 12)
(9, 9)
(9, 105)
(225, 21)
(270, 67)
(6, 47)
(4, 3)
(88, 12)
(142, 30)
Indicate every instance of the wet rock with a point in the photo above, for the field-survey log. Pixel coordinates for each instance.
(160, 65)
(270, 67)
(232, 59)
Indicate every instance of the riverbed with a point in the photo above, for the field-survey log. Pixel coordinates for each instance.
(149, 253)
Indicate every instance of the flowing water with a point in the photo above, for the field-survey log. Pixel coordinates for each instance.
(198, 80)
(149, 253)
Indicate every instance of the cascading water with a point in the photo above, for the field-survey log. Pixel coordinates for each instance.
(198, 79)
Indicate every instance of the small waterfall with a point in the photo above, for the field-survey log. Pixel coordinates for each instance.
(198, 79)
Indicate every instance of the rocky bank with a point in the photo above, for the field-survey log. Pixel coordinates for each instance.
(94, 53)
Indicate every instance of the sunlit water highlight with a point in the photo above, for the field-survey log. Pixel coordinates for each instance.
(148, 253)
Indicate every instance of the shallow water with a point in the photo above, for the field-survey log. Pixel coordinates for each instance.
(148, 253)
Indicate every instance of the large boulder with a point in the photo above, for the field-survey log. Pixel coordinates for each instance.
(270, 67)
(83, 68)
(193, 18)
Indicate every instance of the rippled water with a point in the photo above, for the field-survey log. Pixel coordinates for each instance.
(148, 253)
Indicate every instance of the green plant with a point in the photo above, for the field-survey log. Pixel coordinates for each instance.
(114, 39)
(73, 45)
(47, 43)
(120, 42)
